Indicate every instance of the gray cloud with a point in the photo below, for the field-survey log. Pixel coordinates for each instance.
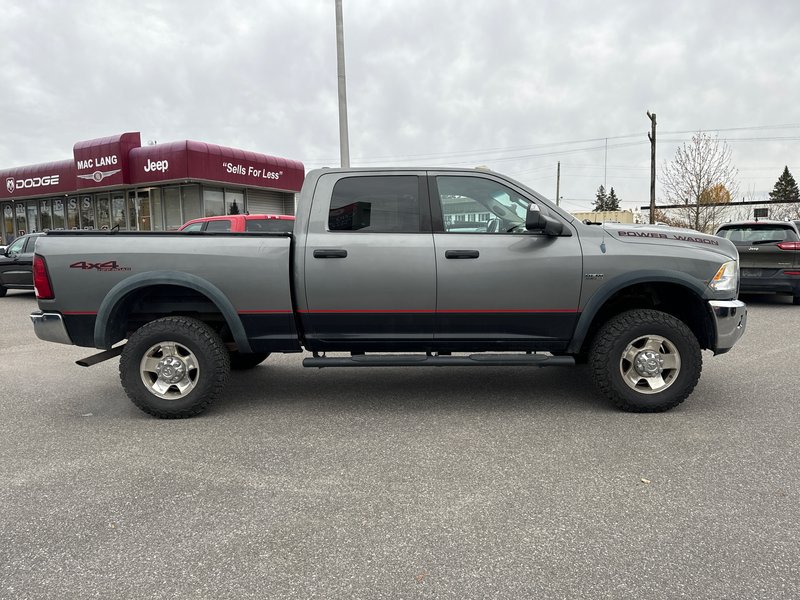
(439, 83)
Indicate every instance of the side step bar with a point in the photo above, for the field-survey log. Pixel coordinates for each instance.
(429, 360)
(100, 357)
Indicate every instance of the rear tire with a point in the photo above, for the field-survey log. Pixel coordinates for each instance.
(174, 367)
(795, 300)
(645, 361)
(3, 291)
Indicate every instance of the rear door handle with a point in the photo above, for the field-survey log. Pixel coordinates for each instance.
(461, 254)
(330, 253)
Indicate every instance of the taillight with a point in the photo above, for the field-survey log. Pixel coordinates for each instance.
(41, 279)
(789, 245)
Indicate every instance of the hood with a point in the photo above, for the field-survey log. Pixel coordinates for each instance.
(670, 236)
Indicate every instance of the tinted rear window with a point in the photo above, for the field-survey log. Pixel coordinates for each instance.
(749, 234)
(388, 204)
(280, 225)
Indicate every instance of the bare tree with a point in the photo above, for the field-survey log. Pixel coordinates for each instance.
(694, 177)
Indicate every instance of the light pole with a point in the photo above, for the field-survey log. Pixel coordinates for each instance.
(344, 140)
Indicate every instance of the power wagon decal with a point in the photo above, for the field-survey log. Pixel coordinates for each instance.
(669, 236)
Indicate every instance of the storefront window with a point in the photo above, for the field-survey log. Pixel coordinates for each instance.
(118, 211)
(192, 204)
(157, 215)
(72, 213)
(213, 201)
(172, 208)
(133, 212)
(22, 223)
(33, 216)
(103, 212)
(234, 202)
(87, 213)
(8, 223)
(44, 211)
(58, 213)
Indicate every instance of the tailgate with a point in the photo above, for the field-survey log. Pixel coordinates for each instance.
(764, 248)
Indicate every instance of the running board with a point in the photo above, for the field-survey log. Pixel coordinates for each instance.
(429, 360)
(100, 357)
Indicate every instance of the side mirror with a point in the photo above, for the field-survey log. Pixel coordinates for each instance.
(536, 221)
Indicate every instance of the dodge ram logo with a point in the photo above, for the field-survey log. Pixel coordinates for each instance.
(10, 184)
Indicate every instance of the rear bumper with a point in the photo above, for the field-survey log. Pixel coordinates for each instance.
(50, 327)
(776, 285)
(730, 321)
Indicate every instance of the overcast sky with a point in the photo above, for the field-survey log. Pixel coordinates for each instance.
(513, 85)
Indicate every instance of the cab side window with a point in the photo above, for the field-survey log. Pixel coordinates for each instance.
(386, 204)
(221, 225)
(479, 205)
(279, 225)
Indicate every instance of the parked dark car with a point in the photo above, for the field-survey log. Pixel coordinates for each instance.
(16, 264)
(769, 255)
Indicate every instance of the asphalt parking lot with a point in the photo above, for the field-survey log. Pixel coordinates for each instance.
(393, 483)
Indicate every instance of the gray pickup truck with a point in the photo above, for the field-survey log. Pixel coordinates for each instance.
(396, 267)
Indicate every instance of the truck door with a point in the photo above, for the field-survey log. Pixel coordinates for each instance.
(496, 282)
(370, 272)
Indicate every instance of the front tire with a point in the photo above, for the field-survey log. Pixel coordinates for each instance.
(174, 367)
(645, 361)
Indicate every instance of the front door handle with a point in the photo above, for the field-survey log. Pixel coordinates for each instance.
(330, 253)
(461, 254)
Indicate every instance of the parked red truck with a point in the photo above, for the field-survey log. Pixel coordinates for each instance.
(237, 223)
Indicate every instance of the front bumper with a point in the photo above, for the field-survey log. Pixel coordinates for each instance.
(730, 321)
(50, 327)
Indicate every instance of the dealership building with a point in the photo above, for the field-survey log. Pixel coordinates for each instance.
(117, 182)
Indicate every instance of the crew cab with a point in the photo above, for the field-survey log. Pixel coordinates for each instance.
(396, 268)
(262, 222)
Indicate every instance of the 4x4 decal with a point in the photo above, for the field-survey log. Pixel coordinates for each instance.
(110, 265)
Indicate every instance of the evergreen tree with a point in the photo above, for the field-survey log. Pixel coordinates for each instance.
(234, 210)
(612, 202)
(785, 189)
(600, 200)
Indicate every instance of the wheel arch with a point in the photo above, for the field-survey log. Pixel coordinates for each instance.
(116, 308)
(674, 293)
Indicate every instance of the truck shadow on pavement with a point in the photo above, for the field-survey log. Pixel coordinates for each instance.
(416, 389)
(766, 299)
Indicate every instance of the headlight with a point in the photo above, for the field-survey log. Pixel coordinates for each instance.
(727, 277)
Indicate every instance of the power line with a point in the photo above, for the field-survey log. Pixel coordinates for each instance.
(483, 152)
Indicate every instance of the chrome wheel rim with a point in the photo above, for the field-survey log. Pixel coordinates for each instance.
(650, 364)
(169, 370)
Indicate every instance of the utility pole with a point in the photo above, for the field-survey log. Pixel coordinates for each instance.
(605, 168)
(652, 137)
(344, 140)
(558, 184)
